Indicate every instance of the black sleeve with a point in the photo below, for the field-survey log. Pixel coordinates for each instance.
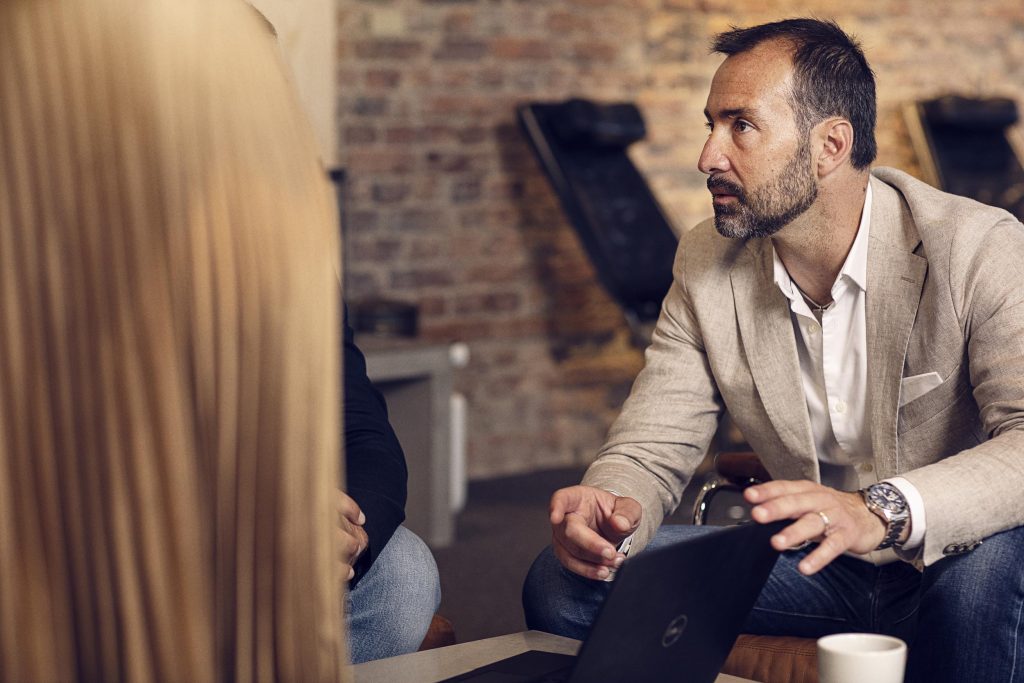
(375, 471)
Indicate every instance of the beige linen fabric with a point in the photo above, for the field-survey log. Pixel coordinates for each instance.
(169, 351)
(944, 296)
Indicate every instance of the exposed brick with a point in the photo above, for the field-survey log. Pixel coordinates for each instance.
(374, 250)
(517, 159)
(411, 279)
(388, 49)
(370, 106)
(428, 188)
(432, 306)
(438, 133)
(511, 134)
(383, 78)
(505, 188)
(593, 51)
(460, 21)
(427, 248)
(456, 49)
(561, 22)
(471, 135)
(365, 161)
(402, 135)
(491, 78)
(420, 220)
(390, 193)
(461, 105)
(486, 220)
(522, 48)
(348, 76)
(454, 79)
(453, 162)
(464, 191)
(360, 284)
(359, 135)
(501, 302)
(360, 221)
(498, 273)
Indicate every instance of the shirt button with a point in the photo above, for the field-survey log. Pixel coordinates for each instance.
(840, 407)
(867, 467)
(812, 328)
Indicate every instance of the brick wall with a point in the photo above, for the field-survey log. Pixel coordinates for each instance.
(447, 208)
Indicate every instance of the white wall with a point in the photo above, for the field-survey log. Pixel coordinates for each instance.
(307, 35)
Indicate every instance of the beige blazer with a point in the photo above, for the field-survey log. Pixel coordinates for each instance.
(945, 295)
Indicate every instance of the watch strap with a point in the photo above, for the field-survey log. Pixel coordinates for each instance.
(894, 524)
(894, 527)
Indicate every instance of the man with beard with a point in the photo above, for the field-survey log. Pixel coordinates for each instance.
(866, 333)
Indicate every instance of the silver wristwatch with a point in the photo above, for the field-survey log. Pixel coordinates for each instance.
(886, 501)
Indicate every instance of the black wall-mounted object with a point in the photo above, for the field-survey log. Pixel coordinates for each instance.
(963, 144)
(582, 146)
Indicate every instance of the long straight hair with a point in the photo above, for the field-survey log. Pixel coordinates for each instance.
(169, 351)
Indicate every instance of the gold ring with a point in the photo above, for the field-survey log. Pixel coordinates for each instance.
(828, 524)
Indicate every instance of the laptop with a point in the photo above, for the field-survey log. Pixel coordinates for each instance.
(673, 613)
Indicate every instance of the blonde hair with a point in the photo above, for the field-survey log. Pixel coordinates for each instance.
(169, 351)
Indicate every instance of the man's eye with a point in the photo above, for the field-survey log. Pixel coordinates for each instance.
(741, 126)
(710, 126)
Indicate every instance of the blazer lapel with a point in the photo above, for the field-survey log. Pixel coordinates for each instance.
(766, 331)
(895, 279)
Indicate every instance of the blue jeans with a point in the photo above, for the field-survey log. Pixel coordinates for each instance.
(961, 617)
(390, 609)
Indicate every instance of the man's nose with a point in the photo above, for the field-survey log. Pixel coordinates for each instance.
(712, 160)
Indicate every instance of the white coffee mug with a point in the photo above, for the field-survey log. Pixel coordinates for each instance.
(861, 658)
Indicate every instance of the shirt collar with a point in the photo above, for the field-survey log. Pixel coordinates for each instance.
(855, 268)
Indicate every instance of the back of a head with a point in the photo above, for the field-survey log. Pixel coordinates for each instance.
(169, 409)
(831, 75)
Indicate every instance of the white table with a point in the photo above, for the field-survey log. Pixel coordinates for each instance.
(416, 381)
(436, 665)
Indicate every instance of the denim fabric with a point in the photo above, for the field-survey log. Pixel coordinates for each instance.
(961, 617)
(390, 609)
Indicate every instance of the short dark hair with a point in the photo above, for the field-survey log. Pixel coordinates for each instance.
(831, 76)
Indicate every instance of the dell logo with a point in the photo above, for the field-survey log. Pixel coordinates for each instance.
(674, 631)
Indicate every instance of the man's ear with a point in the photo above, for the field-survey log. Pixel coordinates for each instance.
(835, 138)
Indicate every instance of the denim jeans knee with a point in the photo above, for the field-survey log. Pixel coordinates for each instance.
(971, 617)
(558, 601)
(391, 607)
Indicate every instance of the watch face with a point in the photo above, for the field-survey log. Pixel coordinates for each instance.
(887, 497)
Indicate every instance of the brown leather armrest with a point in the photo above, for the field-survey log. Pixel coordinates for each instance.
(740, 467)
(774, 659)
(440, 634)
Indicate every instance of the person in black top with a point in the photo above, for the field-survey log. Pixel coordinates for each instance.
(394, 588)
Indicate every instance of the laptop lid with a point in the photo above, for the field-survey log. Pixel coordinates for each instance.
(674, 612)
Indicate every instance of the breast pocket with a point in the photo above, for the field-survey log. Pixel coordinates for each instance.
(913, 388)
(934, 397)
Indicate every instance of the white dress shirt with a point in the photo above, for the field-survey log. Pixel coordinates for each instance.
(833, 367)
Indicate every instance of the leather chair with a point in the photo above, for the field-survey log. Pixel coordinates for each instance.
(440, 634)
(770, 659)
(582, 147)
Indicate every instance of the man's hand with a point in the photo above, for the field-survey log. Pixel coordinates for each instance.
(588, 524)
(851, 526)
(352, 538)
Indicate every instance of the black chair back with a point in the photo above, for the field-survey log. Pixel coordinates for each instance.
(963, 143)
(582, 146)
